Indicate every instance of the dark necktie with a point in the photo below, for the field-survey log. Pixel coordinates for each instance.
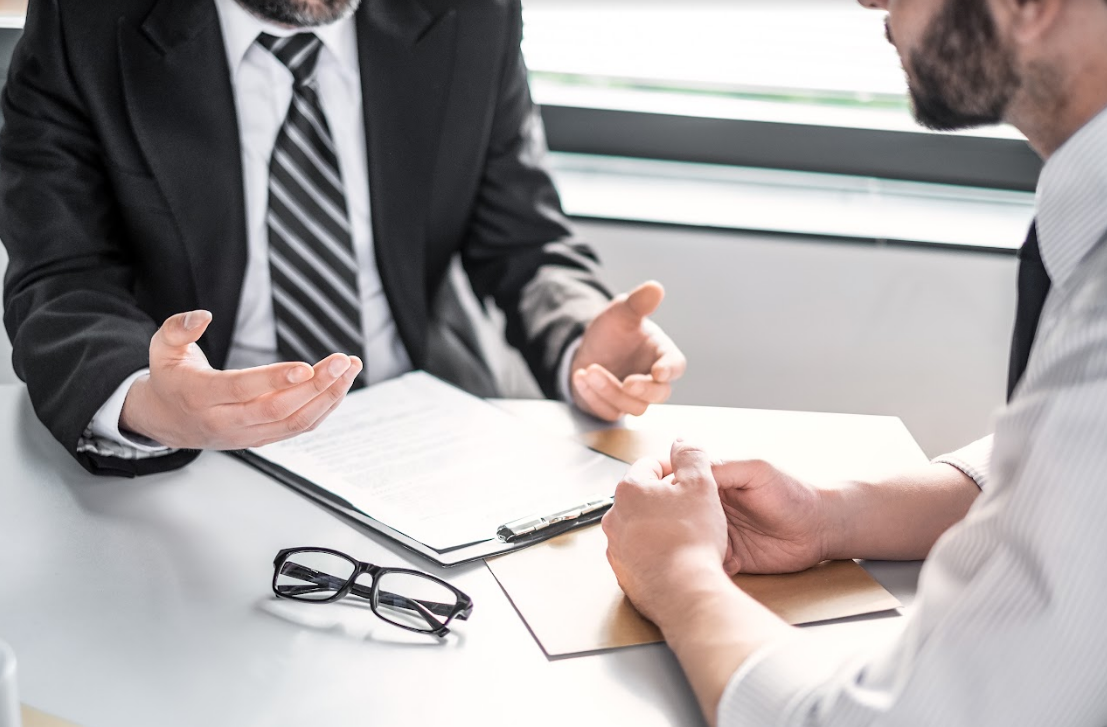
(1033, 287)
(311, 255)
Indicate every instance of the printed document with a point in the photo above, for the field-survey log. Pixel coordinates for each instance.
(441, 466)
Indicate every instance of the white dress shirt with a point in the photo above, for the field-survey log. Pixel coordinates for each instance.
(262, 93)
(1009, 625)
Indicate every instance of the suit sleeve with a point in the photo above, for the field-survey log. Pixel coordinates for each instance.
(521, 250)
(69, 305)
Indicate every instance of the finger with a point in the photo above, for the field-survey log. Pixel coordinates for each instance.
(182, 329)
(672, 363)
(691, 466)
(590, 400)
(644, 300)
(645, 388)
(279, 405)
(607, 523)
(231, 387)
(610, 389)
(353, 373)
(311, 414)
(643, 471)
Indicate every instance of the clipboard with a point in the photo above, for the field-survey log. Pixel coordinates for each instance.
(591, 472)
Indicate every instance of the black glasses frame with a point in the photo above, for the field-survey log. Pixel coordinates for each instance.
(346, 587)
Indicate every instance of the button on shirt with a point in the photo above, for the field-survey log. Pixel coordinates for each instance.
(1008, 627)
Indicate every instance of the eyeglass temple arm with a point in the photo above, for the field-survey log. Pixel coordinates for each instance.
(324, 581)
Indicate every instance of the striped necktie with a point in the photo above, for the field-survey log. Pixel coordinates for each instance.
(1034, 286)
(311, 255)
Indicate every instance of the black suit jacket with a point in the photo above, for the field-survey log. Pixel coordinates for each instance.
(121, 192)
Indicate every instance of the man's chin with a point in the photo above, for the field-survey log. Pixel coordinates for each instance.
(937, 115)
(301, 13)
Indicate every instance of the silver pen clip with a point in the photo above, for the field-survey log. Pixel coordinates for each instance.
(531, 524)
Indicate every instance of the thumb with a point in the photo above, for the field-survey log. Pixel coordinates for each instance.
(738, 474)
(182, 329)
(644, 300)
(692, 466)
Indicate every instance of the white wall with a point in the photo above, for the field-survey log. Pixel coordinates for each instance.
(788, 323)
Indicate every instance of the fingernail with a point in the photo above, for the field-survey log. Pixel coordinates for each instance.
(190, 320)
(339, 366)
(299, 374)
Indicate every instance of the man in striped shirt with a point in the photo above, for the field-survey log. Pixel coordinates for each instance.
(1008, 625)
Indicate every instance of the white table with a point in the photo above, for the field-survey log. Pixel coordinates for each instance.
(147, 602)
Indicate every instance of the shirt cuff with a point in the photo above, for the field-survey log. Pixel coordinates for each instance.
(975, 460)
(780, 683)
(565, 372)
(104, 428)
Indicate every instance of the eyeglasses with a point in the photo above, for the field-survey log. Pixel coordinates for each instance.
(409, 599)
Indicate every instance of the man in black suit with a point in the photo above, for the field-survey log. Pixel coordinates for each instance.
(284, 184)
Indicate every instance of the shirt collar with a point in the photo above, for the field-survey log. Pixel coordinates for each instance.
(1072, 214)
(241, 29)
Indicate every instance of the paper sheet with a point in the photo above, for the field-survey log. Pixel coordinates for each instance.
(576, 606)
(439, 465)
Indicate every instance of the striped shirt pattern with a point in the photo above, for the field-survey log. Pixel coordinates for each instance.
(1009, 625)
(311, 257)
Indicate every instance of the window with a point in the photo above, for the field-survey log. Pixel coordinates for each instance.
(808, 85)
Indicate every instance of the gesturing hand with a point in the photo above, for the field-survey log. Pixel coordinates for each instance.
(625, 361)
(775, 523)
(187, 404)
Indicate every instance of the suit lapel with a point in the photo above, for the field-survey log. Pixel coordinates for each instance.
(406, 58)
(181, 103)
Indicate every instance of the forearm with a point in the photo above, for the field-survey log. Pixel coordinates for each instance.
(899, 518)
(713, 629)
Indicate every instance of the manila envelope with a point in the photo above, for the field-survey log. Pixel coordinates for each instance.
(564, 588)
(567, 595)
(34, 718)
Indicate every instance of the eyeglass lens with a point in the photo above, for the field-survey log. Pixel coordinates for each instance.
(313, 576)
(414, 601)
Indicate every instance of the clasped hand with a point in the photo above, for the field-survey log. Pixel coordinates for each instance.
(679, 523)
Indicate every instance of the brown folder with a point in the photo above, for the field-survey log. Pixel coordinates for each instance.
(564, 588)
(566, 593)
(34, 718)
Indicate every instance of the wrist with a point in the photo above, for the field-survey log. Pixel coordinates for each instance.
(131, 416)
(692, 586)
(835, 528)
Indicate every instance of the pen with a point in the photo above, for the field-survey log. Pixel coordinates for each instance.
(531, 524)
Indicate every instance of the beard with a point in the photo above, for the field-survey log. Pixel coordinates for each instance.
(301, 13)
(962, 75)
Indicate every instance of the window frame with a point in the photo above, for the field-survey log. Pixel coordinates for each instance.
(973, 161)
